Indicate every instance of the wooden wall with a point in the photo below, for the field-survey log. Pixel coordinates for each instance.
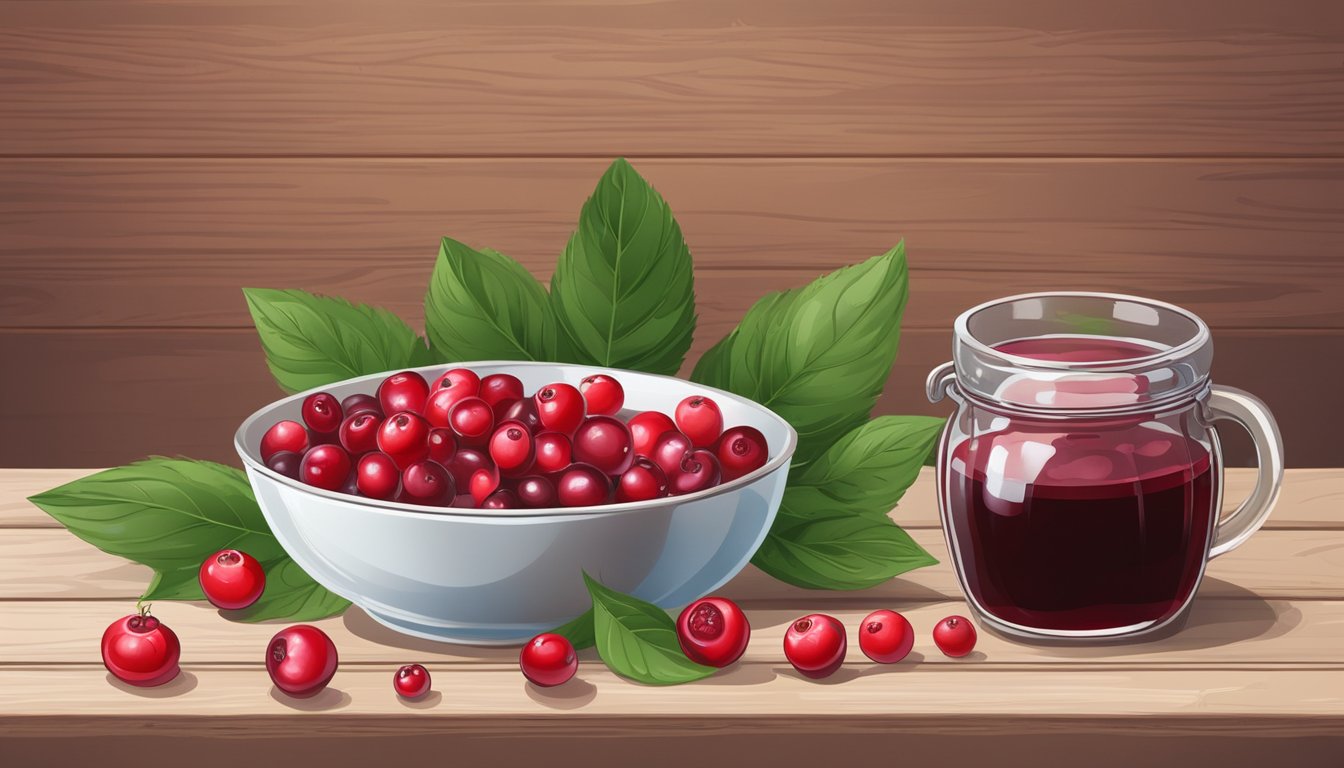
(155, 157)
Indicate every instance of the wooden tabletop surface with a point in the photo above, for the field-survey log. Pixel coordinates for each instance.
(1260, 659)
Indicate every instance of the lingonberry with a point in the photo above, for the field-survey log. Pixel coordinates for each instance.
(670, 450)
(405, 391)
(536, 492)
(322, 412)
(484, 482)
(699, 418)
(301, 660)
(511, 448)
(886, 636)
(405, 437)
(698, 471)
(428, 482)
(954, 636)
(740, 450)
(548, 659)
(560, 407)
(553, 451)
(455, 378)
(583, 485)
(442, 445)
(643, 481)
(359, 433)
(286, 463)
(604, 442)
(231, 579)
(603, 395)
(501, 499)
(411, 681)
(326, 467)
(646, 428)
(141, 650)
(524, 410)
(815, 645)
(465, 462)
(361, 403)
(500, 388)
(713, 631)
(441, 402)
(471, 420)
(377, 476)
(284, 436)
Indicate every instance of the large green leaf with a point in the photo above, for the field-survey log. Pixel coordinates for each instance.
(623, 290)
(482, 305)
(870, 468)
(836, 548)
(637, 640)
(817, 355)
(311, 341)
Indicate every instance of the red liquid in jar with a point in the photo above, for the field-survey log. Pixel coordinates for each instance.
(1082, 524)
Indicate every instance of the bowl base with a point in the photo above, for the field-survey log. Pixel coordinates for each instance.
(484, 636)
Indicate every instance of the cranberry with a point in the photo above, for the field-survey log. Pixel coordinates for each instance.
(500, 388)
(441, 402)
(465, 463)
(361, 403)
(286, 463)
(484, 482)
(815, 645)
(442, 446)
(351, 485)
(886, 637)
(232, 579)
(464, 501)
(140, 650)
(670, 450)
(455, 378)
(583, 485)
(604, 442)
(326, 467)
(646, 428)
(322, 412)
(359, 433)
(405, 437)
(405, 391)
(411, 681)
(428, 482)
(560, 407)
(377, 476)
(740, 451)
(699, 418)
(301, 660)
(603, 394)
(713, 631)
(501, 499)
(954, 636)
(699, 471)
(284, 436)
(548, 659)
(553, 451)
(643, 481)
(471, 420)
(511, 448)
(524, 410)
(536, 492)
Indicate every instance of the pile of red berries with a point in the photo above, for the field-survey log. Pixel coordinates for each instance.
(468, 441)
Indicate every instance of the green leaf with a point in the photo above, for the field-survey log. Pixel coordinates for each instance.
(836, 549)
(579, 631)
(817, 355)
(311, 341)
(623, 290)
(869, 469)
(170, 514)
(637, 640)
(483, 305)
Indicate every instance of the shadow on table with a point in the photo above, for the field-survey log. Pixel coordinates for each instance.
(183, 683)
(361, 625)
(324, 701)
(573, 694)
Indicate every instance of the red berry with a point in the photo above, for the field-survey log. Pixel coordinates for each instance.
(604, 442)
(511, 448)
(441, 402)
(411, 681)
(140, 650)
(713, 631)
(815, 645)
(583, 485)
(670, 450)
(548, 659)
(646, 428)
(954, 636)
(501, 499)
(232, 579)
(359, 433)
(560, 407)
(498, 389)
(301, 660)
(405, 437)
(442, 446)
(740, 451)
(286, 463)
(886, 637)
(284, 436)
(643, 481)
(322, 412)
(553, 451)
(699, 418)
(428, 482)
(405, 391)
(699, 470)
(464, 501)
(326, 467)
(455, 378)
(361, 403)
(351, 485)
(603, 394)
(524, 410)
(471, 420)
(484, 482)
(377, 476)
(536, 492)
(465, 463)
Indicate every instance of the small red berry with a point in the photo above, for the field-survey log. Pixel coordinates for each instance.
(511, 448)
(554, 452)
(465, 463)
(698, 471)
(886, 637)
(405, 437)
(954, 636)
(140, 650)
(603, 394)
(500, 388)
(361, 403)
(455, 378)
(583, 485)
(646, 428)
(442, 446)
(284, 436)
(536, 492)
(441, 402)
(286, 463)
(471, 420)
(670, 450)
(815, 645)
(377, 476)
(699, 418)
(643, 481)
(560, 408)
(548, 659)
(524, 410)
(322, 412)
(405, 391)
(740, 451)
(301, 660)
(411, 681)
(231, 579)
(359, 433)
(428, 482)
(501, 499)
(326, 467)
(713, 631)
(604, 442)
(484, 482)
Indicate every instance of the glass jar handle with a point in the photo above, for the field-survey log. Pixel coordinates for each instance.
(1229, 404)
(939, 380)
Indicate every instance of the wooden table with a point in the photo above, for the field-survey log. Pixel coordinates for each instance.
(1257, 675)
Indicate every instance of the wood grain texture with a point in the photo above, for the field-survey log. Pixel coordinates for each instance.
(117, 242)
(699, 77)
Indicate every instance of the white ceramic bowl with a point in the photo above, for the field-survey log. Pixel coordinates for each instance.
(500, 577)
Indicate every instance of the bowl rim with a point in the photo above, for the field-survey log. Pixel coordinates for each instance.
(254, 464)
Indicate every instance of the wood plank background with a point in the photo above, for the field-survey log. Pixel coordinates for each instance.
(154, 158)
